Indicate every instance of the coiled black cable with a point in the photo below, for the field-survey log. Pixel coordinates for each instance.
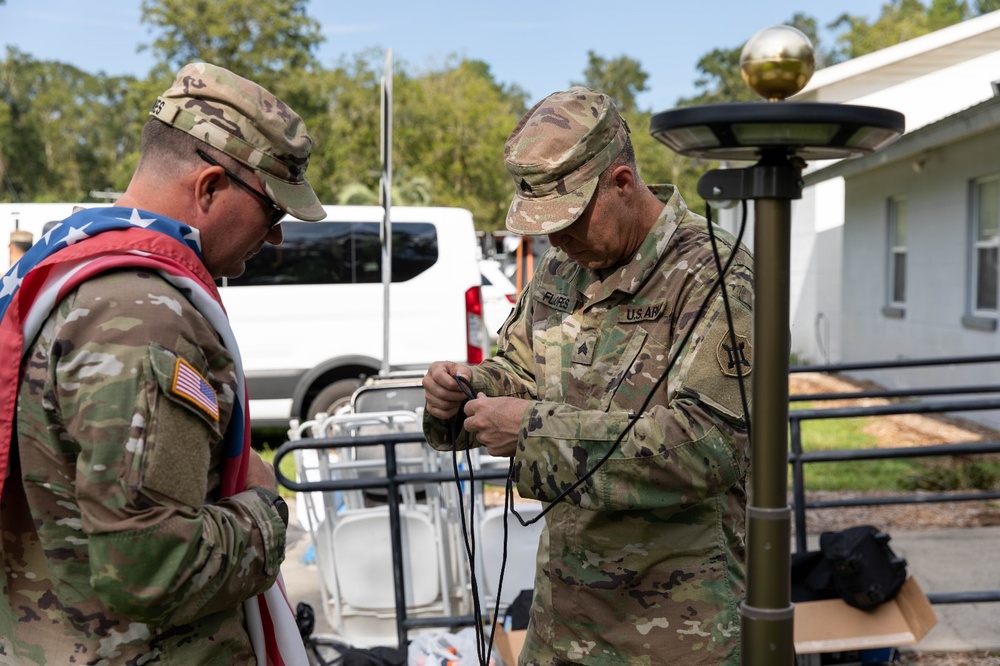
(483, 651)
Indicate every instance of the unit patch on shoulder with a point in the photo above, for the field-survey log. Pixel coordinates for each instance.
(190, 385)
(735, 361)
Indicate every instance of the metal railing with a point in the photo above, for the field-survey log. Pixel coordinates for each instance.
(393, 479)
(798, 458)
(391, 482)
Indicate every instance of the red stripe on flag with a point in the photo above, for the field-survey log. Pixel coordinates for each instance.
(270, 641)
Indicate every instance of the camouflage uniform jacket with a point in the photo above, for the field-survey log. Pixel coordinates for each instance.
(644, 562)
(116, 547)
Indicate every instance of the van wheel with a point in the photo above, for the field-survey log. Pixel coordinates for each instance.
(333, 398)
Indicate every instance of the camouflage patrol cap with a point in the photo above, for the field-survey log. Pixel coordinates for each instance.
(248, 123)
(556, 153)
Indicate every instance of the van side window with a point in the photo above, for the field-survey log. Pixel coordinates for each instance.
(340, 253)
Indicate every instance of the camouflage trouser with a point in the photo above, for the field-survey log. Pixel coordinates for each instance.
(537, 653)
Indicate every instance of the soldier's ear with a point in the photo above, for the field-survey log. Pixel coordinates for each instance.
(623, 179)
(206, 187)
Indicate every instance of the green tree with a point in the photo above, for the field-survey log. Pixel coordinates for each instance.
(623, 78)
(450, 127)
(659, 164)
(263, 40)
(407, 190)
(900, 20)
(343, 120)
(721, 79)
(60, 129)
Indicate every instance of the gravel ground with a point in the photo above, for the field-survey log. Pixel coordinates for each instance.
(890, 518)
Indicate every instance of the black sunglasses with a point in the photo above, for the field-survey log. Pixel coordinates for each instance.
(275, 214)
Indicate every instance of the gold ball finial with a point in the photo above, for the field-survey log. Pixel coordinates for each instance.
(777, 62)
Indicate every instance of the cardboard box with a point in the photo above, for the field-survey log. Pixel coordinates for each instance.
(509, 644)
(824, 626)
(833, 626)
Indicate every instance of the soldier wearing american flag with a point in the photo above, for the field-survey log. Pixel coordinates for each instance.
(137, 523)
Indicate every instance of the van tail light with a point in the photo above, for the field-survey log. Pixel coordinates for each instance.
(475, 328)
(511, 298)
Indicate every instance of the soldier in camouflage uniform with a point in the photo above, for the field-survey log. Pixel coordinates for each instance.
(117, 546)
(643, 562)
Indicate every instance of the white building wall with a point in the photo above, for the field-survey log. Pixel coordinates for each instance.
(816, 278)
(802, 278)
(937, 189)
(815, 272)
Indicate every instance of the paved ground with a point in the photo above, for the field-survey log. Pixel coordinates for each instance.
(948, 560)
(954, 560)
(966, 560)
(302, 580)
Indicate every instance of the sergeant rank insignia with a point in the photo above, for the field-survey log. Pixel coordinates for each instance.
(583, 348)
(190, 385)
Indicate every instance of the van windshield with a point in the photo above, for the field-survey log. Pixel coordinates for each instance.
(340, 253)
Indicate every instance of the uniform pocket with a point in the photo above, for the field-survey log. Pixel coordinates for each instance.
(182, 430)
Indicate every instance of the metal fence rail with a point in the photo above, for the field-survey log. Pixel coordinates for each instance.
(392, 481)
(798, 458)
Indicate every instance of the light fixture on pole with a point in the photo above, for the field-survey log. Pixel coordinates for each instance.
(776, 63)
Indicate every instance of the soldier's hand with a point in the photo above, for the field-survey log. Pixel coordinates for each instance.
(441, 391)
(260, 473)
(496, 422)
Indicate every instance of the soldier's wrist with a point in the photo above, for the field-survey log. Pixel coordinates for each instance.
(275, 500)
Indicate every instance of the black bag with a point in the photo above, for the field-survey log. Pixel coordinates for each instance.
(812, 577)
(519, 611)
(864, 569)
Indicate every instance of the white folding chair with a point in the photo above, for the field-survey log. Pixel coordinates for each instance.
(351, 532)
(522, 551)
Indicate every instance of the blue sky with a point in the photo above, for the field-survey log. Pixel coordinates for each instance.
(541, 46)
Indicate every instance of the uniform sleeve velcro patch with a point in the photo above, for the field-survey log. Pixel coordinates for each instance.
(190, 385)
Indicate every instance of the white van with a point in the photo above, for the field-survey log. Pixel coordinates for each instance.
(308, 314)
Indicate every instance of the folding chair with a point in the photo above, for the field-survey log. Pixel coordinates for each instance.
(351, 532)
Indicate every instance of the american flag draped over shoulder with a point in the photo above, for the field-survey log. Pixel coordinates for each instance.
(97, 240)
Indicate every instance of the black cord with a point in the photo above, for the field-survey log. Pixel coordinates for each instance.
(466, 387)
(720, 282)
(729, 313)
(483, 650)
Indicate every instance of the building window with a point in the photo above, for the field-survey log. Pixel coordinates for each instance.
(896, 296)
(986, 240)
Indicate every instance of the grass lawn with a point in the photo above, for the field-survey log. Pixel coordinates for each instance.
(834, 434)
(936, 473)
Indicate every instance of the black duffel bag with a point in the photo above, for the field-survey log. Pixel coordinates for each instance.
(856, 565)
(864, 569)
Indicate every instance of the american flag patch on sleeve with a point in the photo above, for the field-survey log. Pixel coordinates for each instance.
(190, 385)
